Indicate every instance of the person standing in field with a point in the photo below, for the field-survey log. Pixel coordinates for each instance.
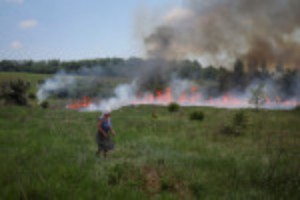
(104, 131)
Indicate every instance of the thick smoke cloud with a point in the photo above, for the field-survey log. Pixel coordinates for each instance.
(257, 31)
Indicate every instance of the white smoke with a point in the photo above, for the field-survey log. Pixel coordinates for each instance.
(60, 81)
(127, 94)
(124, 94)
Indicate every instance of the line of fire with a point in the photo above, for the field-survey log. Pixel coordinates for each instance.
(193, 97)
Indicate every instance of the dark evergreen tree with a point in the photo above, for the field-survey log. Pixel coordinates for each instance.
(239, 76)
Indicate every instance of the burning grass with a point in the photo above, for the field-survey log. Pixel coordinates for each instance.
(190, 97)
(52, 155)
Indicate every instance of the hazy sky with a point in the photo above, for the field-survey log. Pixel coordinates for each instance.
(72, 29)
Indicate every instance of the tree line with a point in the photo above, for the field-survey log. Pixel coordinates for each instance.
(52, 66)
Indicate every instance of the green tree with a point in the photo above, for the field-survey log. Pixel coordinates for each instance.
(288, 83)
(210, 73)
(224, 80)
(238, 76)
(189, 69)
(258, 97)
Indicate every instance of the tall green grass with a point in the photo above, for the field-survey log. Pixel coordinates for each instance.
(50, 154)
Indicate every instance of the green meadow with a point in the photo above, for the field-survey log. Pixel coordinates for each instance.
(50, 154)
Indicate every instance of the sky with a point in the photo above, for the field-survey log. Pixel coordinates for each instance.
(73, 30)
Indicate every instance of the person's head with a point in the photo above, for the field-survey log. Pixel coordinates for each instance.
(106, 114)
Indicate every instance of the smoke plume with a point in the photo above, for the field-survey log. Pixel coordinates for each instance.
(263, 34)
(123, 96)
(256, 31)
(54, 85)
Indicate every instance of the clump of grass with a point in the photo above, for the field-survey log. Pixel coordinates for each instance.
(197, 116)
(167, 184)
(32, 96)
(240, 122)
(116, 174)
(173, 107)
(161, 180)
(197, 189)
(154, 115)
(236, 126)
(124, 172)
(45, 104)
(240, 119)
(227, 129)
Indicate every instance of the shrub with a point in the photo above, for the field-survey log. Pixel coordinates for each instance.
(14, 92)
(154, 115)
(45, 104)
(173, 107)
(297, 108)
(236, 126)
(258, 98)
(32, 96)
(197, 115)
(240, 119)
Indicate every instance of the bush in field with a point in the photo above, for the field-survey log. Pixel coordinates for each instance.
(14, 92)
(197, 115)
(32, 96)
(45, 104)
(237, 126)
(297, 108)
(240, 119)
(173, 107)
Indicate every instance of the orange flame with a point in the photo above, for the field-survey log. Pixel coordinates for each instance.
(193, 96)
(84, 102)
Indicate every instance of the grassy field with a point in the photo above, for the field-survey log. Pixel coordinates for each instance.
(32, 78)
(50, 154)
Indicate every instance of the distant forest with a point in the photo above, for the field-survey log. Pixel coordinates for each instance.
(53, 66)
